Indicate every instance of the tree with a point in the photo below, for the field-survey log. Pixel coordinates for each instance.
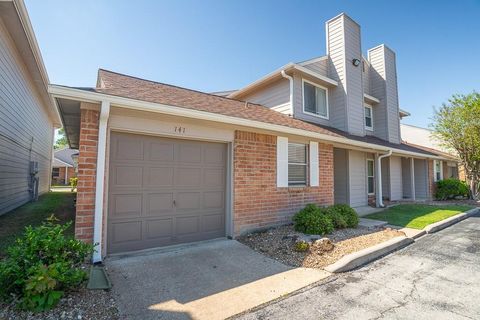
(457, 126)
(61, 142)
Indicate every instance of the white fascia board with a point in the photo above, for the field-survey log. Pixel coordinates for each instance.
(326, 80)
(127, 103)
(370, 99)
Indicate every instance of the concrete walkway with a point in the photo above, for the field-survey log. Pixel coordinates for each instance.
(436, 278)
(212, 280)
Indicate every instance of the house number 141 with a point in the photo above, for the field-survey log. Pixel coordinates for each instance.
(180, 129)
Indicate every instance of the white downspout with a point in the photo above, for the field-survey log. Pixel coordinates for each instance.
(290, 79)
(66, 176)
(99, 181)
(379, 196)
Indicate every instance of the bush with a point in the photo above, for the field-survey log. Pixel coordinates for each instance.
(451, 188)
(73, 183)
(313, 220)
(347, 213)
(41, 265)
(301, 246)
(337, 218)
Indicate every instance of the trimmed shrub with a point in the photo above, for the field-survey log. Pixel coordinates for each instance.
(41, 265)
(348, 214)
(313, 220)
(450, 188)
(337, 218)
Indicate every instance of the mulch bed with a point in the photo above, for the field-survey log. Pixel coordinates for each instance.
(82, 304)
(278, 243)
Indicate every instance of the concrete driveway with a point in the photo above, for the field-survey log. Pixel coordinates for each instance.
(438, 277)
(210, 280)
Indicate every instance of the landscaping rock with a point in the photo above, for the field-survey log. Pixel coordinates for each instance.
(323, 244)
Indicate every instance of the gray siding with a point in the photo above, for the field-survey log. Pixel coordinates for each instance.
(344, 44)
(357, 169)
(421, 184)
(396, 180)
(298, 101)
(366, 76)
(26, 133)
(275, 95)
(406, 178)
(386, 178)
(318, 66)
(340, 166)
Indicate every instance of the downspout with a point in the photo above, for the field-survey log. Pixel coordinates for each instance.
(99, 181)
(290, 79)
(379, 196)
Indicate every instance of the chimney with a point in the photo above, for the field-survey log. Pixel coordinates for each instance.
(343, 50)
(383, 85)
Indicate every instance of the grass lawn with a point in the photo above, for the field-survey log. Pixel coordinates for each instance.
(417, 216)
(13, 223)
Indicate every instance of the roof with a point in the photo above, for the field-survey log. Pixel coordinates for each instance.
(64, 156)
(135, 88)
(433, 151)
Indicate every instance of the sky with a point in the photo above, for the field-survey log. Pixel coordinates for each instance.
(213, 45)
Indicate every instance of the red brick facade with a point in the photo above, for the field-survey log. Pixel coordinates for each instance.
(60, 179)
(257, 200)
(87, 163)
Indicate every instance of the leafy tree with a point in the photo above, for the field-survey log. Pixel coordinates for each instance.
(457, 126)
(61, 142)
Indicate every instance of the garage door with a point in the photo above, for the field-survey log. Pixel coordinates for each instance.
(164, 191)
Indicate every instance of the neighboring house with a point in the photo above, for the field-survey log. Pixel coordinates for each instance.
(28, 115)
(161, 165)
(63, 167)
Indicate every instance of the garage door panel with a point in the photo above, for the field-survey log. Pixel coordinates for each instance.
(159, 177)
(160, 204)
(128, 176)
(129, 205)
(164, 191)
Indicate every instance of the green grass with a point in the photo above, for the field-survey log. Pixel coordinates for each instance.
(417, 216)
(13, 223)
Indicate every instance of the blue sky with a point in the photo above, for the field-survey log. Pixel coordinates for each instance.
(219, 45)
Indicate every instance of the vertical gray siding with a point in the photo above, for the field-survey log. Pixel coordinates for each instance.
(343, 45)
(421, 184)
(275, 95)
(406, 178)
(26, 133)
(383, 85)
(386, 178)
(357, 169)
(396, 179)
(340, 166)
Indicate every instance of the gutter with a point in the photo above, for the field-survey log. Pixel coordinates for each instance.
(127, 103)
(378, 193)
(290, 80)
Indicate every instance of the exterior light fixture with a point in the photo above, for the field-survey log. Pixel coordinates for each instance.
(356, 62)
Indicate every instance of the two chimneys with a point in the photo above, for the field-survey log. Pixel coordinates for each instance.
(356, 76)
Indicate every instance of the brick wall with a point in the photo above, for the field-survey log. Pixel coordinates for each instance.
(87, 163)
(257, 200)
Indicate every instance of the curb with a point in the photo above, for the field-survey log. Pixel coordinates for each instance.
(367, 255)
(437, 226)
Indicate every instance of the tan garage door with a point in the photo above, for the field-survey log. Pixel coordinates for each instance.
(164, 191)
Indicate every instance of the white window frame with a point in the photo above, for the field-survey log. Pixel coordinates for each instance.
(307, 155)
(373, 176)
(366, 106)
(435, 170)
(326, 99)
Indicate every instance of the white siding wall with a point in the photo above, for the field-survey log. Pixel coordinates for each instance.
(340, 166)
(421, 184)
(357, 169)
(276, 96)
(26, 133)
(396, 185)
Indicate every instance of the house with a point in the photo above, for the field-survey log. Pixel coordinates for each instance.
(63, 166)
(161, 165)
(28, 113)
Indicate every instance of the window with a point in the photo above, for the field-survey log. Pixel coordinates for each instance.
(370, 176)
(297, 164)
(55, 172)
(437, 167)
(368, 118)
(315, 100)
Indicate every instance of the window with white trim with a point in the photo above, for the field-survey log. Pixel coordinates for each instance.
(55, 172)
(315, 99)
(368, 117)
(297, 164)
(370, 176)
(437, 167)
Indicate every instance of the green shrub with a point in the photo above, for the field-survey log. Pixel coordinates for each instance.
(41, 265)
(301, 246)
(313, 220)
(337, 218)
(73, 183)
(451, 188)
(347, 213)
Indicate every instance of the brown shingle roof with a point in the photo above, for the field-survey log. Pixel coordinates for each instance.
(134, 88)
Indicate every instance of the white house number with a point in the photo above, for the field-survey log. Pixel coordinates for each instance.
(179, 129)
